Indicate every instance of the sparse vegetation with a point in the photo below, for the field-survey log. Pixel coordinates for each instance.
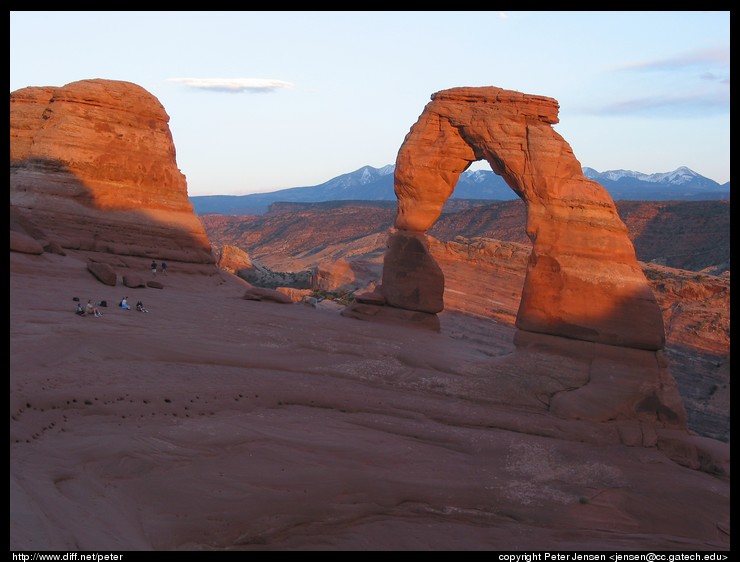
(341, 297)
(654, 274)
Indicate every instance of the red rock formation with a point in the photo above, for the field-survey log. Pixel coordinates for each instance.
(412, 279)
(232, 259)
(103, 272)
(20, 242)
(94, 163)
(349, 275)
(253, 293)
(297, 295)
(392, 315)
(583, 280)
(133, 281)
(608, 384)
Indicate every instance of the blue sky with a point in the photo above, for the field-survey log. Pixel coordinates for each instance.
(260, 101)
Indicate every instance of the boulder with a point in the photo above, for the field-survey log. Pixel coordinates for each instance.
(295, 295)
(103, 273)
(253, 293)
(20, 242)
(133, 281)
(54, 247)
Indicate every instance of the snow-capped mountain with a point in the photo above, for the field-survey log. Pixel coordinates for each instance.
(681, 183)
(364, 176)
(376, 184)
(679, 176)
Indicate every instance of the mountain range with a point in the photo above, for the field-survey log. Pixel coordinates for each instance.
(376, 184)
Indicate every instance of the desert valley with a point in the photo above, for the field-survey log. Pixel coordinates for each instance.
(550, 373)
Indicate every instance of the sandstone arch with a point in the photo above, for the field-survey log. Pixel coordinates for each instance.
(583, 280)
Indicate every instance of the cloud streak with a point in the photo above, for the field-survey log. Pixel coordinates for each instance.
(235, 85)
(691, 58)
(667, 106)
(709, 66)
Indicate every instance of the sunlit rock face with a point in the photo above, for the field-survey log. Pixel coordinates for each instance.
(93, 165)
(583, 280)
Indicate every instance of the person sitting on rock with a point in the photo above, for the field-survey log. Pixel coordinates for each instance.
(79, 311)
(140, 307)
(124, 304)
(89, 308)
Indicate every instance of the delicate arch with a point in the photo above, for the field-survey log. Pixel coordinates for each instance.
(583, 280)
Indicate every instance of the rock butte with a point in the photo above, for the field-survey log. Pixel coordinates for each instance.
(92, 165)
(583, 280)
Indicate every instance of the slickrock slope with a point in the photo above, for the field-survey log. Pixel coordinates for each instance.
(93, 166)
(217, 423)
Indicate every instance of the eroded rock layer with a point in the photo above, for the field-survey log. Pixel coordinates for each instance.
(583, 280)
(93, 165)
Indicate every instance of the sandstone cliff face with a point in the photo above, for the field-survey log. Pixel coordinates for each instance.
(93, 165)
(583, 280)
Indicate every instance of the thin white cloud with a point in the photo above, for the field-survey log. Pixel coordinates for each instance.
(503, 16)
(235, 85)
(673, 106)
(691, 58)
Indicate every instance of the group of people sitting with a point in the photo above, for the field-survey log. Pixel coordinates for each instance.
(139, 305)
(91, 309)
